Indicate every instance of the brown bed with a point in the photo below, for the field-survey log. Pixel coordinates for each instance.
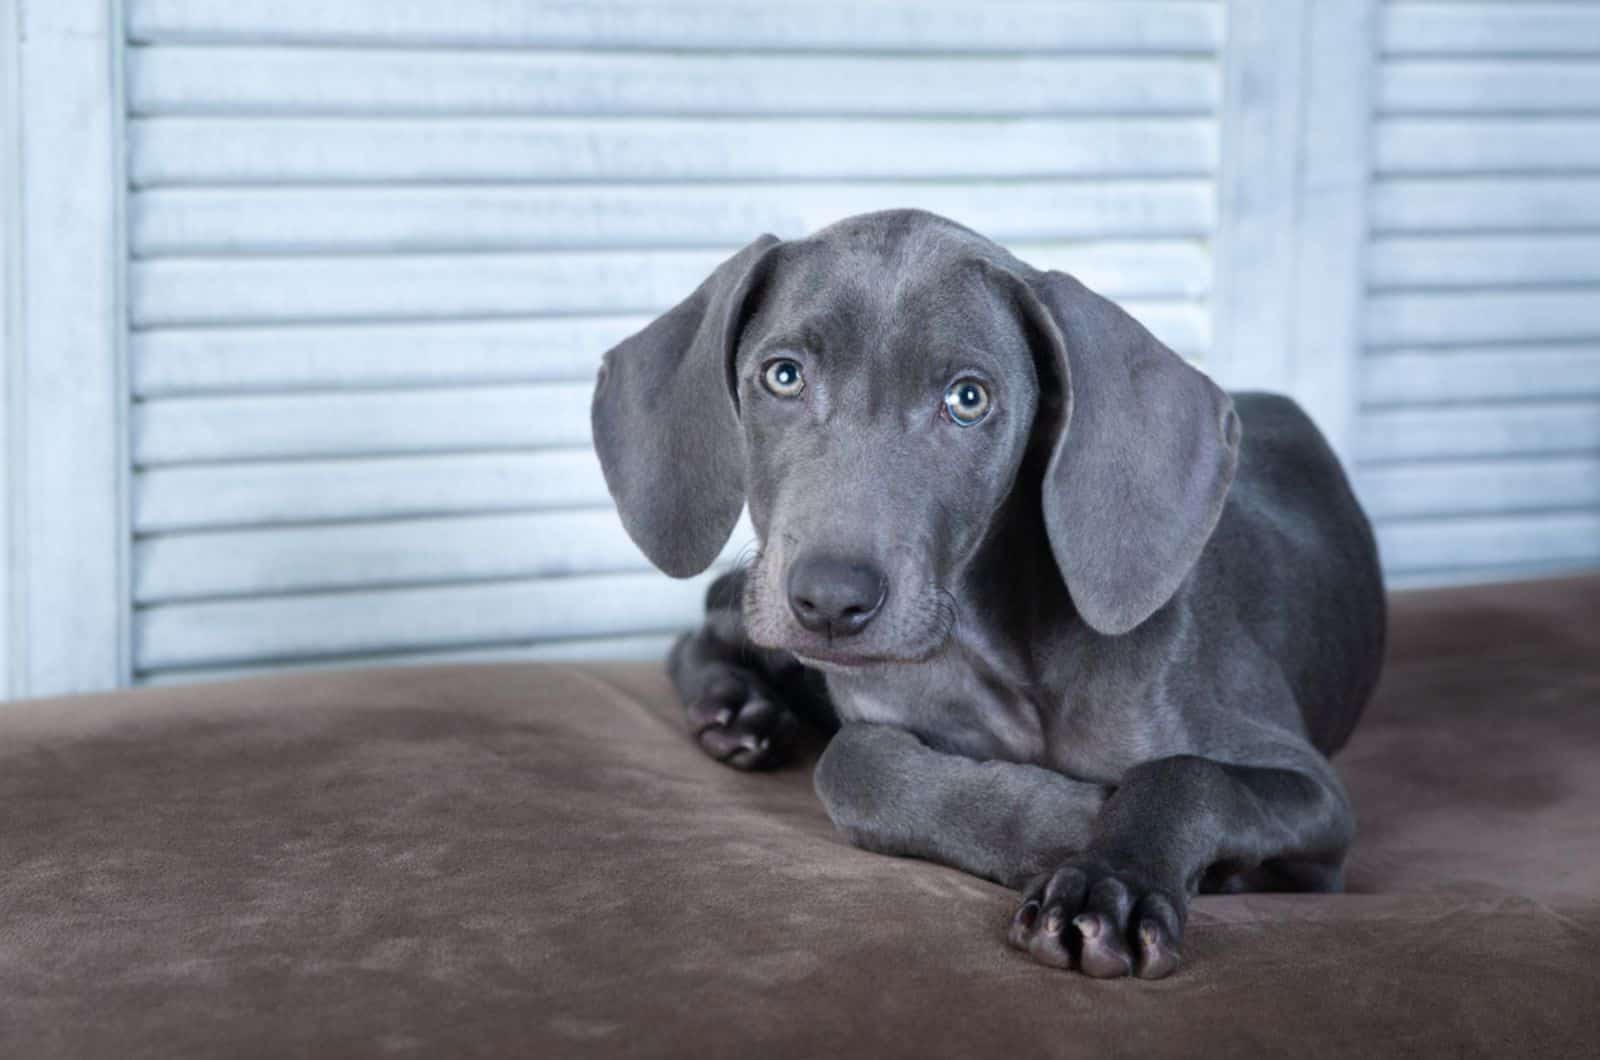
(532, 860)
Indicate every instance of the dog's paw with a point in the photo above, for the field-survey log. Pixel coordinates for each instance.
(736, 720)
(1105, 921)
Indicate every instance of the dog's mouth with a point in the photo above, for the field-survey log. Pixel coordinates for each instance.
(835, 665)
(832, 660)
(853, 654)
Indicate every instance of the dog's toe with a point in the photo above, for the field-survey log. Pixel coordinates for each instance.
(1158, 956)
(1023, 923)
(1049, 943)
(1042, 926)
(1104, 923)
(1105, 954)
(737, 723)
(1157, 933)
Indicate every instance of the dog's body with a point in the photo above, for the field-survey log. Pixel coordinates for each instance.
(1112, 627)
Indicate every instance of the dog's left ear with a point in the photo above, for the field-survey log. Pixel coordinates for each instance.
(1143, 460)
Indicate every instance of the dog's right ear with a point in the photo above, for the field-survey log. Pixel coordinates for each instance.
(666, 426)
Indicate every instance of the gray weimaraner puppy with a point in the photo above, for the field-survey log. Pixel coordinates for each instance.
(1083, 623)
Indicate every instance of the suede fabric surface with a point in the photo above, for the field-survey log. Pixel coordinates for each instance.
(532, 860)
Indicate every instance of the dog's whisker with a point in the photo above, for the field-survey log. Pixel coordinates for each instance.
(746, 557)
(954, 606)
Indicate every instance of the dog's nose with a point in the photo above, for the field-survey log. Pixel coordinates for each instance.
(835, 596)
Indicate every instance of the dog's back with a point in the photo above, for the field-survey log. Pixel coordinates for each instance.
(1293, 520)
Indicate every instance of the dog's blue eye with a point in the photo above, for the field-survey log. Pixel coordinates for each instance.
(783, 378)
(967, 401)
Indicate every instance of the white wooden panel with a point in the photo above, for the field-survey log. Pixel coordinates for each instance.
(398, 421)
(234, 80)
(1548, 259)
(12, 579)
(1480, 374)
(210, 360)
(1473, 27)
(379, 248)
(1293, 196)
(1332, 180)
(1486, 204)
(1430, 544)
(213, 633)
(1479, 87)
(1255, 279)
(1452, 432)
(68, 596)
(207, 495)
(1480, 431)
(648, 648)
(1507, 145)
(833, 25)
(1479, 486)
(213, 221)
(173, 291)
(402, 552)
(1429, 318)
(296, 150)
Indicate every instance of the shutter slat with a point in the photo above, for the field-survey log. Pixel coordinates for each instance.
(1486, 204)
(1451, 317)
(1469, 374)
(1449, 432)
(1469, 487)
(346, 82)
(1490, 29)
(1560, 538)
(313, 491)
(195, 291)
(1483, 261)
(403, 421)
(224, 632)
(329, 150)
(213, 221)
(175, 361)
(747, 25)
(1534, 86)
(1507, 145)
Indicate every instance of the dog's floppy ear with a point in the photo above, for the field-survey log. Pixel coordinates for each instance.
(666, 427)
(1144, 457)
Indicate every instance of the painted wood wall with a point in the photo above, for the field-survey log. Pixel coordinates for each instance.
(1478, 438)
(351, 267)
(376, 252)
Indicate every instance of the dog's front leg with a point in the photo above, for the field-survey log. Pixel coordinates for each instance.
(887, 791)
(1118, 907)
(745, 705)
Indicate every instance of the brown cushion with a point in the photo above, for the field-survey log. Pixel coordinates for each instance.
(533, 860)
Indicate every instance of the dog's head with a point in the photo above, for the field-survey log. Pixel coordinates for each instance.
(872, 391)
